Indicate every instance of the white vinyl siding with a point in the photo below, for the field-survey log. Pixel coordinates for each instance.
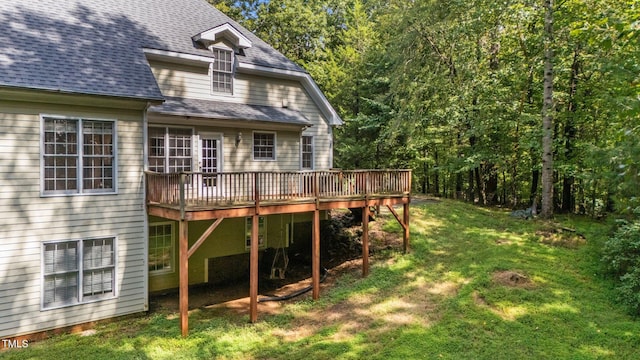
(78, 156)
(27, 220)
(189, 81)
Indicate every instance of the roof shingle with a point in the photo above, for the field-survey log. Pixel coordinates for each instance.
(96, 46)
(229, 111)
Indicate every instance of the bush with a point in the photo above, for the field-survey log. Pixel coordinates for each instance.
(622, 259)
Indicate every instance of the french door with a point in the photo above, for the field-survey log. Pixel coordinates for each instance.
(210, 162)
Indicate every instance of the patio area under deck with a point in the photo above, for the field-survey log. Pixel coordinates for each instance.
(188, 197)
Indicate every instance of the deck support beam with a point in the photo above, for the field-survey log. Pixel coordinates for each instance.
(204, 236)
(253, 271)
(404, 223)
(365, 241)
(405, 235)
(183, 229)
(315, 255)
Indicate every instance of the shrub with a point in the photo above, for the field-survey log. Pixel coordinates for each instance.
(622, 259)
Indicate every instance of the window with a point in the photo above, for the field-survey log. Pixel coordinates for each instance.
(262, 232)
(170, 149)
(78, 156)
(264, 146)
(222, 71)
(160, 248)
(78, 271)
(306, 147)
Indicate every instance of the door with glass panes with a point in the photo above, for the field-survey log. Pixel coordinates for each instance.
(210, 164)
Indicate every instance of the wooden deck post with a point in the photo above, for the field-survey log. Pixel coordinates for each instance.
(184, 276)
(365, 241)
(253, 271)
(315, 255)
(405, 237)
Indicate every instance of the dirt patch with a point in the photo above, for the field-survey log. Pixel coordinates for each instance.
(561, 237)
(512, 279)
(503, 242)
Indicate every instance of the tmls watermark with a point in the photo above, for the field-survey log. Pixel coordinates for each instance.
(15, 344)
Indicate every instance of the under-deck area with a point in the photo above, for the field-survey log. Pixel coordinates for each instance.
(191, 196)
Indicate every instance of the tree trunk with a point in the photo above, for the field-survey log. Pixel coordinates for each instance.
(470, 191)
(479, 190)
(547, 115)
(535, 181)
(581, 208)
(425, 175)
(491, 187)
(436, 179)
(568, 197)
(458, 178)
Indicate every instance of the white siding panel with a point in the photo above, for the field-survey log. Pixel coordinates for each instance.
(193, 82)
(27, 220)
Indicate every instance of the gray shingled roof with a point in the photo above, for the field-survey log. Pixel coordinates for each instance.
(95, 46)
(229, 111)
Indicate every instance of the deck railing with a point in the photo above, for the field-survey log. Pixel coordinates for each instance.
(194, 189)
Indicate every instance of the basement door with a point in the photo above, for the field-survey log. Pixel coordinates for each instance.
(210, 163)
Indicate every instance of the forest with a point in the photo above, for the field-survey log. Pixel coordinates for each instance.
(495, 102)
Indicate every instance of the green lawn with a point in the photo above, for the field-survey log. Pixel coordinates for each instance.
(478, 284)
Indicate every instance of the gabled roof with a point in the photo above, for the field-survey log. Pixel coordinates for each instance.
(225, 30)
(229, 111)
(96, 47)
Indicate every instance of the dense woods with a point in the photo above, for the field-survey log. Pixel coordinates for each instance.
(464, 92)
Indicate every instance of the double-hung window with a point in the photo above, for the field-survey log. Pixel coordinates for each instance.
(78, 271)
(264, 146)
(222, 71)
(161, 243)
(170, 149)
(306, 148)
(78, 156)
(262, 232)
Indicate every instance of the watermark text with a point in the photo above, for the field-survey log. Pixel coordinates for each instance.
(15, 344)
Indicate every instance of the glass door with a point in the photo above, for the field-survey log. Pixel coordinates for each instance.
(210, 163)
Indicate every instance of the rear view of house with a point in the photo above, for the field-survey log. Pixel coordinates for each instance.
(144, 146)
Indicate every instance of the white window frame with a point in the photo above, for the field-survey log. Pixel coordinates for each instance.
(262, 235)
(253, 145)
(167, 157)
(172, 268)
(82, 299)
(312, 154)
(80, 190)
(212, 70)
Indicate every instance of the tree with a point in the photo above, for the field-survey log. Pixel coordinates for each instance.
(547, 114)
(457, 91)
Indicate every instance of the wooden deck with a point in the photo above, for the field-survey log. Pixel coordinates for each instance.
(202, 196)
(191, 196)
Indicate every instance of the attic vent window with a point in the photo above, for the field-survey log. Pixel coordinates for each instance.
(222, 71)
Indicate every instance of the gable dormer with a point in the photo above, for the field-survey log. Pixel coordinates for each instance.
(220, 33)
(223, 41)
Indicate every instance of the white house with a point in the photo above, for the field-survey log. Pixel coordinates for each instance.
(142, 140)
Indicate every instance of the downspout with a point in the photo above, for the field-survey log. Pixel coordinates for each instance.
(330, 146)
(145, 228)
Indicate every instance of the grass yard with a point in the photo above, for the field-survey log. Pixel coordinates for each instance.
(478, 284)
